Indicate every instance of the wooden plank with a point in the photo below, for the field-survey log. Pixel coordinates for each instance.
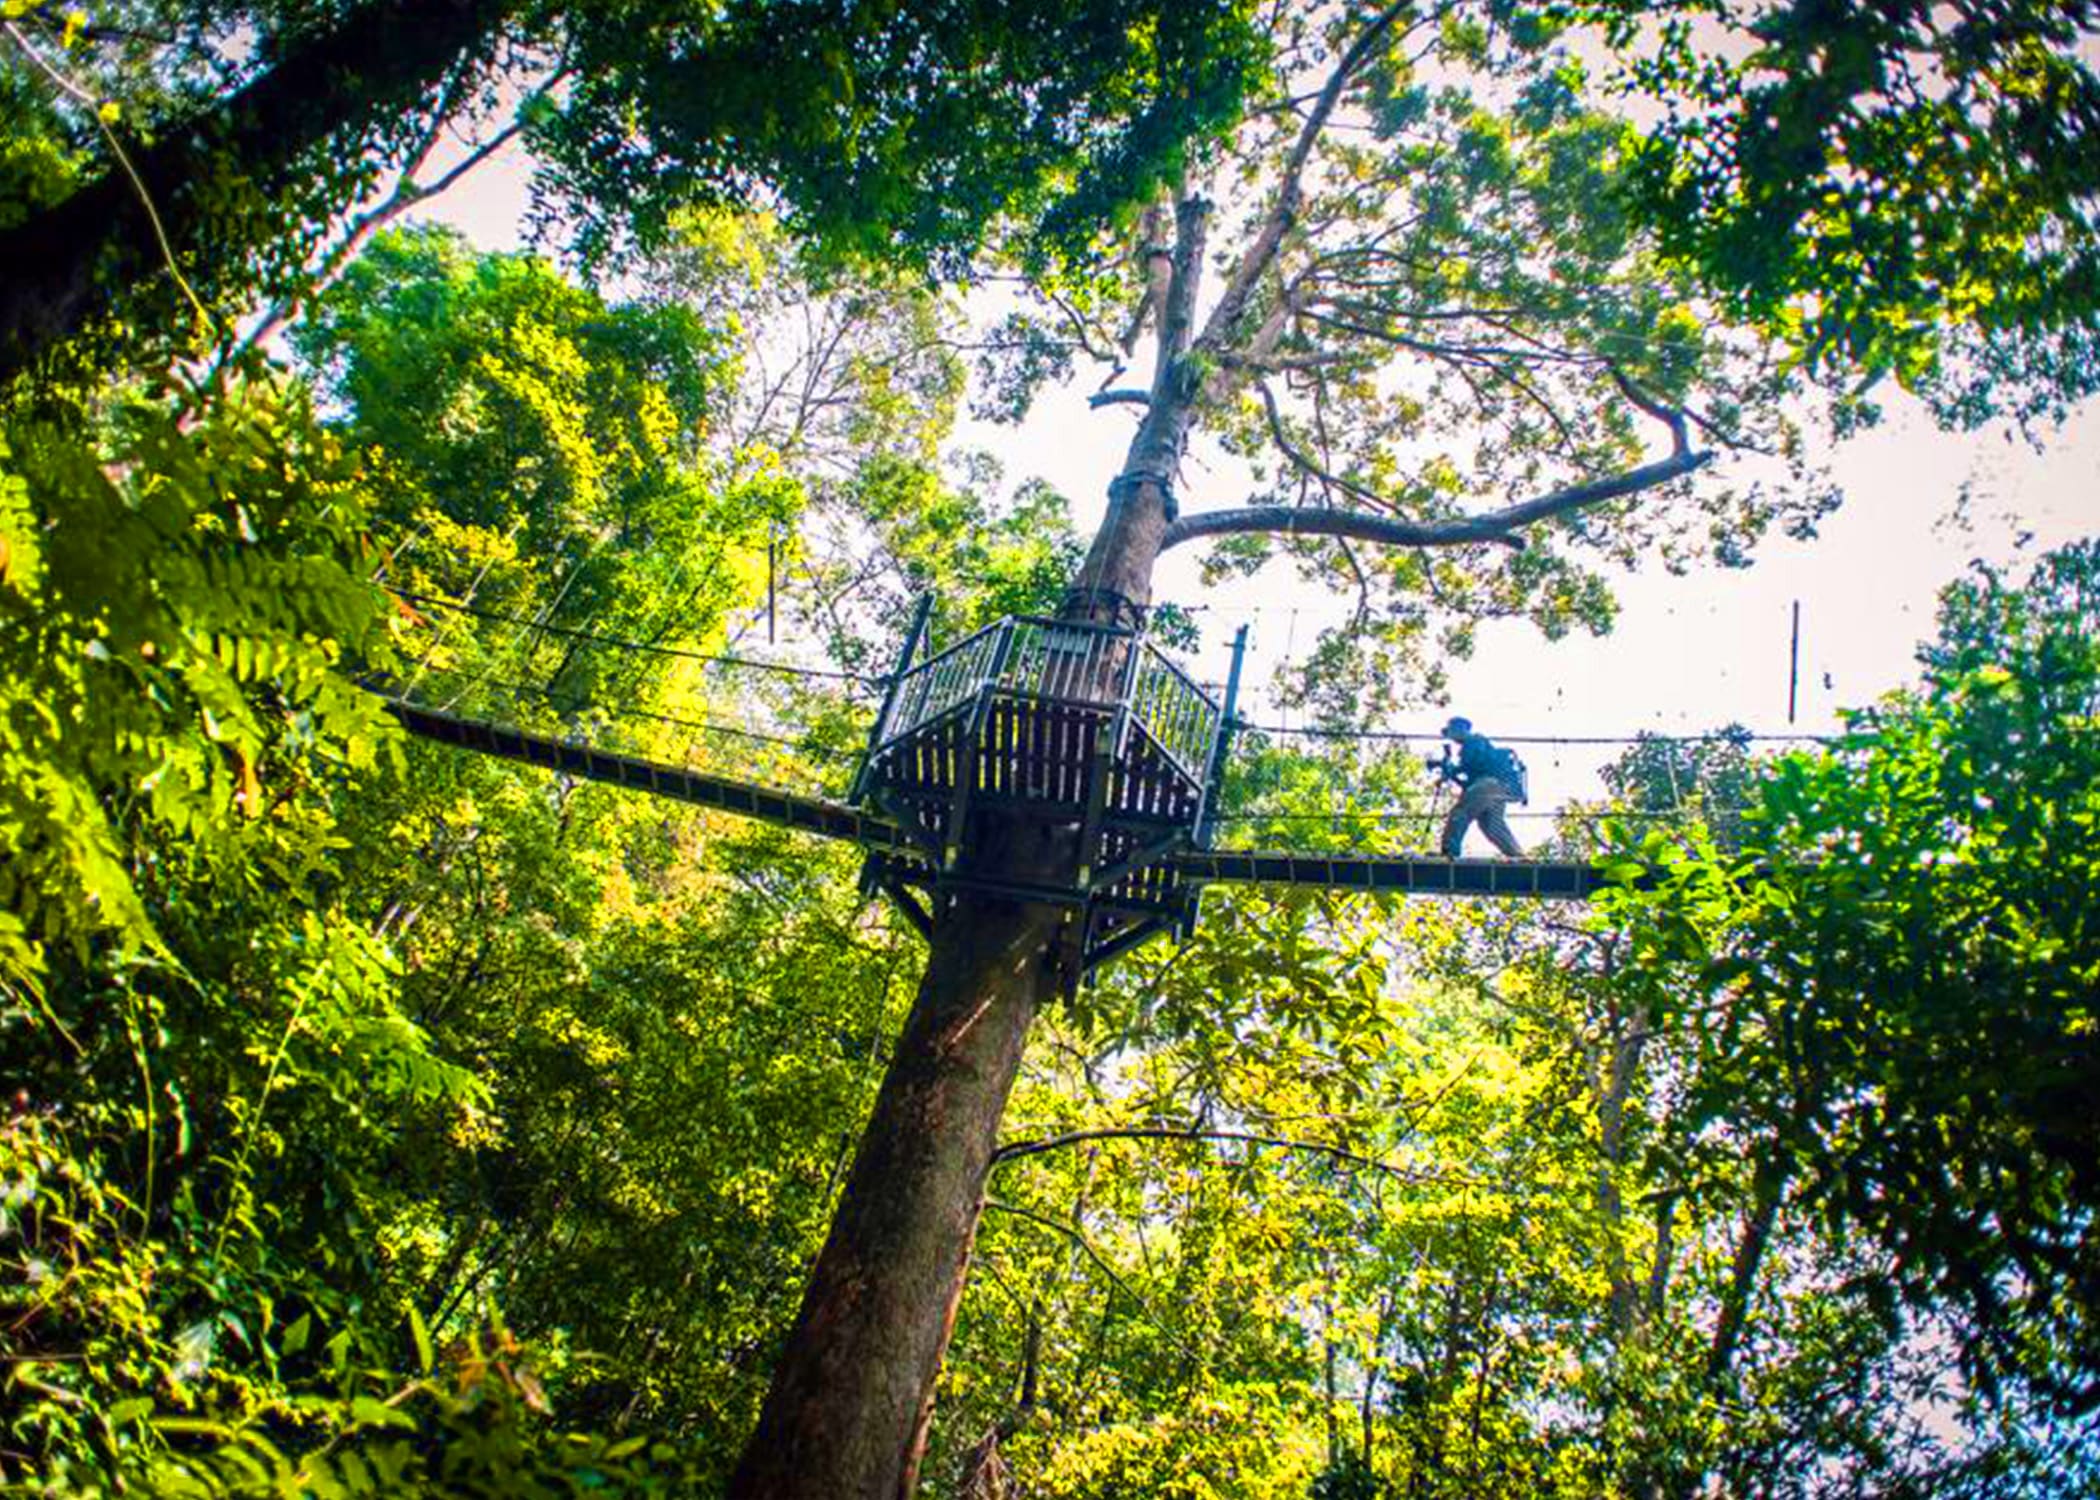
(1408, 874)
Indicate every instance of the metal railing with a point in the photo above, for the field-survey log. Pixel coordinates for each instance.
(1071, 663)
(1180, 717)
(944, 681)
(1060, 661)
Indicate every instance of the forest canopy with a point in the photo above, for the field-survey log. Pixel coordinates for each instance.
(385, 1119)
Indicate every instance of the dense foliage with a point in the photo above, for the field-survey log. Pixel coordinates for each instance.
(149, 216)
(1905, 188)
(383, 1120)
(1892, 977)
(410, 1120)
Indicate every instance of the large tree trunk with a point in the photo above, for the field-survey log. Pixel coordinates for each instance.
(68, 267)
(846, 1413)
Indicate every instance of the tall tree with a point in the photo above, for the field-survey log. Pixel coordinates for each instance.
(1422, 292)
(897, 131)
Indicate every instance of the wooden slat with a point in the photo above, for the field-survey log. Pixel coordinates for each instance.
(1418, 874)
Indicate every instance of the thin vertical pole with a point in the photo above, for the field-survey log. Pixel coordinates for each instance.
(1793, 666)
(912, 637)
(1214, 780)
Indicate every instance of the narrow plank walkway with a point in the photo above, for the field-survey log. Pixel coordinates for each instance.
(1419, 875)
(1411, 874)
(787, 809)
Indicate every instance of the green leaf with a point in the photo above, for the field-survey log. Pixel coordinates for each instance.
(372, 1412)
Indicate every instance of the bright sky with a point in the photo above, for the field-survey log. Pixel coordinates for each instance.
(1688, 653)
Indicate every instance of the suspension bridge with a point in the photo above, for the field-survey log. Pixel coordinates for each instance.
(1042, 760)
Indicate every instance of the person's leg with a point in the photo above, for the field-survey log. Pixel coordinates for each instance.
(1460, 819)
(1492, 822)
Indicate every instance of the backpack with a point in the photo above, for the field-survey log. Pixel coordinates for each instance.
(1509, 770)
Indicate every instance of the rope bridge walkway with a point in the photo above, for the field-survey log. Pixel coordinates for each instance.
(1037, 759)
(805, 813)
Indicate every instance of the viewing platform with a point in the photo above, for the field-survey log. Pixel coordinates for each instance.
(1053, 761)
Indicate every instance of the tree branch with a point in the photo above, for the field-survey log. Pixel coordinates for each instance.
(1120, 396)
(1177, 308)
(1290, 192)
(1114, 1276)
(1016, 1150)
(73, 262)
(1157, 261)
(407, 194)
(1082, 330)
(1496, 526)
(1304, 461)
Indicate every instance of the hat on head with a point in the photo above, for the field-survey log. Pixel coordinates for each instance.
(1457, 728)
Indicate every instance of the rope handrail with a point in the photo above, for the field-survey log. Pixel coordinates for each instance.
(654, 648)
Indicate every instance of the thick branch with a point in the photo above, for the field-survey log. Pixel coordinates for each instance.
(1496, 526)
(1290, 191)
(1158, 262)
(1177, 310)
(1120, 396)
(68, 265)
(1768, 1187)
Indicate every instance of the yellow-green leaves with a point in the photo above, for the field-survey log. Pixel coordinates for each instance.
(150, 603)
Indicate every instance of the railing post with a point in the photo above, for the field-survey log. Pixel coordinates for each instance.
(1214, 777)
(1126, 692)
(912, 636)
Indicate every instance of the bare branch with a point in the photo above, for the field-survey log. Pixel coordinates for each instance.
(407, 194)
(1479, 354)
(1290, 192)
(1016, 1150)
(1121, 396)
(1164, 1325)
(1283, 364)
(1304, 461)
(1498, 526)
(1080, 326)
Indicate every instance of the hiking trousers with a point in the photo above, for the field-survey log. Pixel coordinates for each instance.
(1481, 802)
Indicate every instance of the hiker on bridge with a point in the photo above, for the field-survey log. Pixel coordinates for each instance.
(1489, 778)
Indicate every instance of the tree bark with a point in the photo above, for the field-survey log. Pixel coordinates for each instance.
(845, 1414)
(69, 267)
